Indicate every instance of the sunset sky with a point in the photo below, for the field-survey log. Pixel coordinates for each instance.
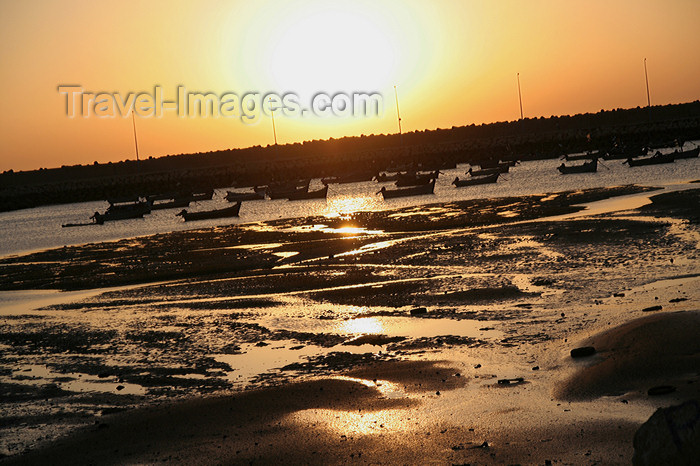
(452, 62)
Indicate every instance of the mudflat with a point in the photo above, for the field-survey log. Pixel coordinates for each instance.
(439, 334)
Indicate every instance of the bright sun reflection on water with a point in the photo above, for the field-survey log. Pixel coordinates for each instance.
(363, 325)
(345, 204)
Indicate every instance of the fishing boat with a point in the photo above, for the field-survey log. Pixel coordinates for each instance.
(686, 154)
(122, 209)
(476, 180)
(405, 192)
(483, 171)
(415, 179)
(584, 156)
(318, 194)
(203, 196)
(587, 167)
(170, 203)
(653, 160)
(231, 211)
(502, 166)
(233, 196)
(383, 177)
(350, 178)
(283, 191)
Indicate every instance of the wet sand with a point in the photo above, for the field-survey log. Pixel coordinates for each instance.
(447, 341)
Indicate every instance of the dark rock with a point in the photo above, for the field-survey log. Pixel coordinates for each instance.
(670, 436)
(582, 352)
(652, 308)
(536, 368)
(120, 387)
(510, 381)
(619, 295)
(677, 300)
(661, 390)
(418, 311)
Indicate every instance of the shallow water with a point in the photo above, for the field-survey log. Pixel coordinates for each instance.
(40, 228)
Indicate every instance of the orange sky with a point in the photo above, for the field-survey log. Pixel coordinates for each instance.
(454, 63)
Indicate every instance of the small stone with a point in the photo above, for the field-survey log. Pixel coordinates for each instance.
(536, 368)
(418, 311)
(120, 387)
(652, 308)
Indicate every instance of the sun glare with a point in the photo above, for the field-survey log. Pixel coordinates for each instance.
(363, 325)
(336, 48)
(319, 46)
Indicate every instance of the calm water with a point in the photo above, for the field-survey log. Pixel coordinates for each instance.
(40, 228)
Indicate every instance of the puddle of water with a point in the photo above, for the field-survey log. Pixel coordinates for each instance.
(412, 327)
(256, 360)
(24, 301)
(285, 254)
(72, 381)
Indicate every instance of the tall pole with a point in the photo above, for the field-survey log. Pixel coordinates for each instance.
(520, 98)
(136, 142)
(274, 131)
(398, 115)
(646, 78)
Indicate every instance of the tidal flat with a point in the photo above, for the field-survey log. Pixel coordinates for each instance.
(440, 332)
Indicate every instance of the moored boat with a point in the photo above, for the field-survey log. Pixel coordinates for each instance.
(171, 203)
(686, 154)
(231, 211)
(584, 156)
(203, 196)
(122, 210)
(486, 179)
(233, 196)
(384, 177)
(587, 167)
(318, 194)
(502, 166)
(483, 171)
(404, 192)
(283, 191)
(350, 178)
(653, 160)
(415, 179)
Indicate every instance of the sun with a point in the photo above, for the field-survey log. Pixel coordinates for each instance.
(335, 48)
(313, 46)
